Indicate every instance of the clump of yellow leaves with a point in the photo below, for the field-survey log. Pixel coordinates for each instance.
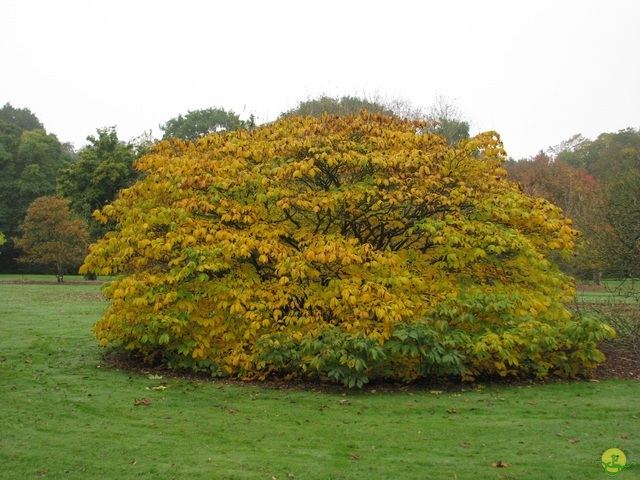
(347, 248)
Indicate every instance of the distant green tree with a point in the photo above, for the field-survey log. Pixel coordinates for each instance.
(337, 106)
(142, 144)
(623, 214)
(30, 160)
(52, 236)
(3, 239)
(105, 166)
(614, 158)
(449, 121)
(40, 157)
(597, 183)
(198, 123)
(22, 118)
(607, 157)
(445, 116)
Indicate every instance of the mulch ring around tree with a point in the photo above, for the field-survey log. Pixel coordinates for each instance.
(623, 361)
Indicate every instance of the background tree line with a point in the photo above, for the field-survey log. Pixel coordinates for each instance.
(595, 182)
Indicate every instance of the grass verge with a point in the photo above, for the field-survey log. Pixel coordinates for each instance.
(63, 415)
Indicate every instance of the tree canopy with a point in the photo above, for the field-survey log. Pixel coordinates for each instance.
(22, 118)
(30, 160)
(346, 105)
(28, 172)
(52, 237)
(596, 184)
(614, 158)
(347, 248)
(198, 123)
(581, 197)
(105, 166)
(443, 117)
(449, 121)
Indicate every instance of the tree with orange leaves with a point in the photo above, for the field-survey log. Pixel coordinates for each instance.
(52, 236)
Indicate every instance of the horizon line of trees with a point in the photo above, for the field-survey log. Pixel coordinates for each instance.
(597, 185)
(595, 182)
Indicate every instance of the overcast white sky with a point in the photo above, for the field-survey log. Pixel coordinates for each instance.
(537, 72)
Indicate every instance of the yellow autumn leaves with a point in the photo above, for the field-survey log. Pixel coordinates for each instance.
(251, 253)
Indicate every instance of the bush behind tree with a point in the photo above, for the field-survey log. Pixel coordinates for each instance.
(348, 248)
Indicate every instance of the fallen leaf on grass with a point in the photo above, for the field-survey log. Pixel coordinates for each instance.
(624, 437)
(464, 445)
(233, 410)
(500, 464)
(161, 387)
(141, 401)
(452, 410)
(354, 457)
(435, 392)
(573, 440)
(533, 403)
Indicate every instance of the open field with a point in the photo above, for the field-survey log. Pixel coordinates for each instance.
(610, 290)
(65, 415)
(46, 278)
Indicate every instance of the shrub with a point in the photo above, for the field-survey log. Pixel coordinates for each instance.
(347, 248)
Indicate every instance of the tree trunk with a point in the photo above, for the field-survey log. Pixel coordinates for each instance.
(597, 278)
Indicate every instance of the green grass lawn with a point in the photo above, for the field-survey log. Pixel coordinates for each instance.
(64, 415)
(621, 291)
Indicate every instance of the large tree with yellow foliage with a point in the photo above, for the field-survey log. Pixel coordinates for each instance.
(343, 247)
